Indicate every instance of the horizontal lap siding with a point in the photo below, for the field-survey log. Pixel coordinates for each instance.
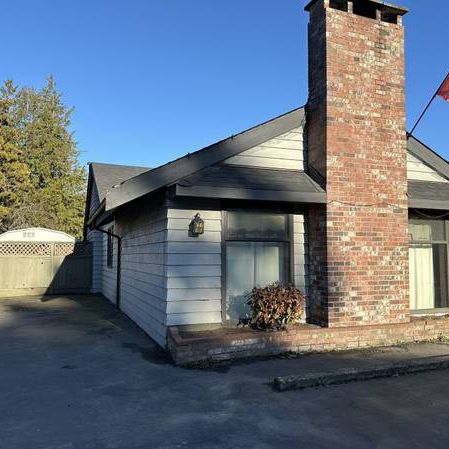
(143, 283)
(283, 152)
(418, 171)
(109, 274)
(300, 253)
(193, 269)
(96, 239)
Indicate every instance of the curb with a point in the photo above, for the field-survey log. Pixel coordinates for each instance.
(346, 375)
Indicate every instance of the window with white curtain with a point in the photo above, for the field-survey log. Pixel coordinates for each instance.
(257, 254)
(428, 264)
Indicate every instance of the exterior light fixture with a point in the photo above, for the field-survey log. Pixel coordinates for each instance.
(196, 226)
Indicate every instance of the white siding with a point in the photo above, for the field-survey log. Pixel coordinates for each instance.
(96, 239)
(169, 278)
(143, 281)
(109, 274)
(300, 262)
(193, 269)
(419, 171)
(283, 152)
(300, 255)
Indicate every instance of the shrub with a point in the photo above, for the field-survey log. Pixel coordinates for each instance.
(275, 306)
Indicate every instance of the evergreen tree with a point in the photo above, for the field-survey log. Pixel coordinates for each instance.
(54, 191)
(14, 173)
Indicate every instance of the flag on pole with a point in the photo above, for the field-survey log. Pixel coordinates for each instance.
(443, 92)
(444, 89)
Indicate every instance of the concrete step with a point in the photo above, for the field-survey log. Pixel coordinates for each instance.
(346, 375)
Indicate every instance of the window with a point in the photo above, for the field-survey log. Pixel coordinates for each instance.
(110, 248)
(428, 264)
(257, 254)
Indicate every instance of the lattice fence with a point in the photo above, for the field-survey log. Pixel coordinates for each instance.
(72, 249)
(42, 249)
(25, 249)
(45, 267)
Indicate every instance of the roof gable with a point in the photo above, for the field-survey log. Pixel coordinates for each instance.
(118, 185)
(417, 170)
(431, 159)
(284, 152)
(170, 173)
(107, 176)
(102, 179)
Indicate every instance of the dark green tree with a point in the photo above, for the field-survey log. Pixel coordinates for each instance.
(54, 191)
(14, 173)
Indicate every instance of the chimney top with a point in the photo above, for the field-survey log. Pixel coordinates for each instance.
(387, 10)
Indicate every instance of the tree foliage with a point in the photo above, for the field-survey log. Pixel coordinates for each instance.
(41, 180)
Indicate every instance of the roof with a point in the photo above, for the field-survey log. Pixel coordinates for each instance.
(160, 177)
(249, 183)
(201, 174)
(108, 175)
(428, 195)
(427, 155)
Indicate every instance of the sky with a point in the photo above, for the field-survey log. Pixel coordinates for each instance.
(151, 80)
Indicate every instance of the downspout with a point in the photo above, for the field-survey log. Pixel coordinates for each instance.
(119, 261)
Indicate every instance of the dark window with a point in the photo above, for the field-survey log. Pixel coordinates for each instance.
(428, 264)
(440, 275)
(257, 254)
(256, 225)
(110, 248)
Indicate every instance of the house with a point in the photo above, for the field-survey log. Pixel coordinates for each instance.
(334, 197)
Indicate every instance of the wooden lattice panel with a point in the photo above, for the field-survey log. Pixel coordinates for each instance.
(72, 249)
(25, 249)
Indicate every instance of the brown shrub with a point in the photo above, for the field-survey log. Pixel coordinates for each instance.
(275, 306)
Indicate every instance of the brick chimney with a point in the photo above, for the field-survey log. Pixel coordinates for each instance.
(357, 143)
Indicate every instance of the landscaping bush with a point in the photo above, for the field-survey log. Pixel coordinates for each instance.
(275, 306)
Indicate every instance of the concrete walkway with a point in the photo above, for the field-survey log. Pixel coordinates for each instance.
(76, 374)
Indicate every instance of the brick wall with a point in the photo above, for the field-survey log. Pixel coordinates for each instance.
(242, 343)
(357, 141)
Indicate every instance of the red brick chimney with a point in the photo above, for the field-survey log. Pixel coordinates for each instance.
(357, 143)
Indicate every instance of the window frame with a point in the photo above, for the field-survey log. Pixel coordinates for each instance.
(426, 244)
(225, 238)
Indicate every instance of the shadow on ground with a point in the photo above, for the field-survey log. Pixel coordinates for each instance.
(77, 374)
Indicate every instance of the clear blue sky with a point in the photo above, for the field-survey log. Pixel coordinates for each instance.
(154, 79)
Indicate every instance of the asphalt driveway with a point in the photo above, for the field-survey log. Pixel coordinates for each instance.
(77, 374)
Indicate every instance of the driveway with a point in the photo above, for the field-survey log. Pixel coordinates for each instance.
(77, 374)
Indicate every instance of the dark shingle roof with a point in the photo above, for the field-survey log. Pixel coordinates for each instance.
(170, 173)
(109, 175)
(428, 195)
(249, 183)
(200, 170)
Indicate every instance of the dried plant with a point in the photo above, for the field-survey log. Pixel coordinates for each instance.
(275, 306)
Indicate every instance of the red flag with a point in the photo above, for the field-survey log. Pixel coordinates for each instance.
(444, 90)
